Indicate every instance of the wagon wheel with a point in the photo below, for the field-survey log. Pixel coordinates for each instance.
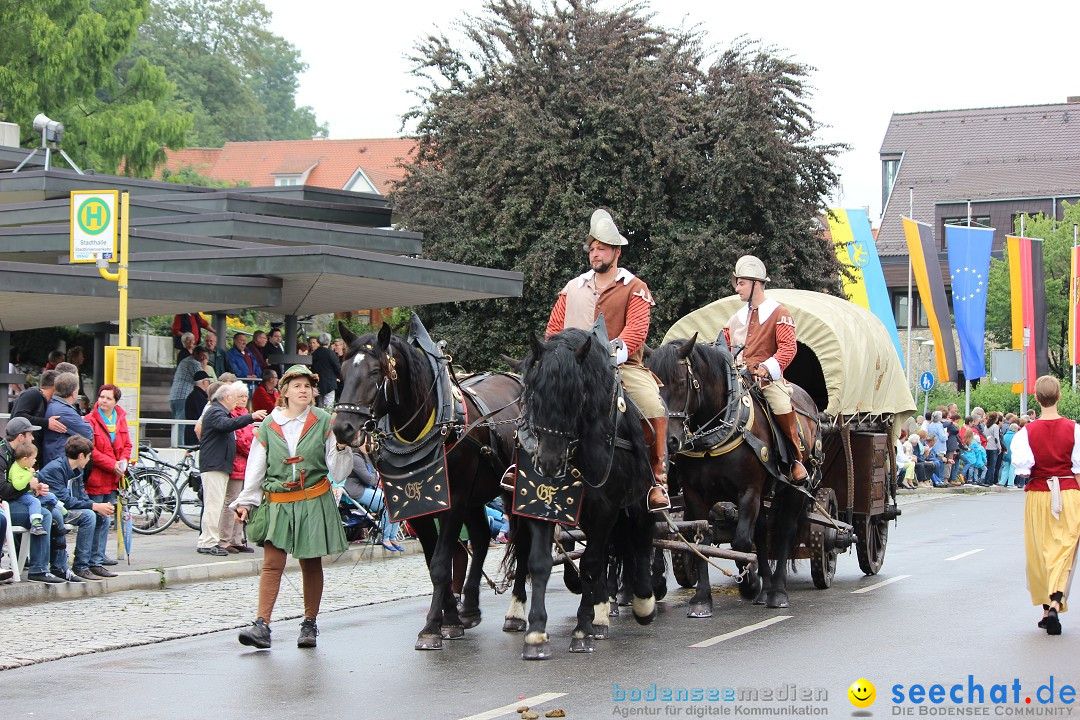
(684, 568)
(822, 560)
(873, 536)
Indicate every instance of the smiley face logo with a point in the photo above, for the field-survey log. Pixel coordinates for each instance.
(862, 693)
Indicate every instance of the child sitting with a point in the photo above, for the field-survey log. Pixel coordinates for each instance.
(21, 477)
(905, 460)
(974, 459)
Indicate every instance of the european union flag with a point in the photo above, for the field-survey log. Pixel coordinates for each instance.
(969, 269)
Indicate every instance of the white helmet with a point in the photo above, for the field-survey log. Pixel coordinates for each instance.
(751, 268)
(603, 228)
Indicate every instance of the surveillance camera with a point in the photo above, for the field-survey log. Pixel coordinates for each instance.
(53, 129)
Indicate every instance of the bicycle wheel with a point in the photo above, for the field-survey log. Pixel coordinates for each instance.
(190, 505)
(151, 498)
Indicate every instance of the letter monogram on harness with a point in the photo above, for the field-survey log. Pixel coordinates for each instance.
(412, 490)
(545, 493)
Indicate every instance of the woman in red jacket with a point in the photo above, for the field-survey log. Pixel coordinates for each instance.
(232, 532)
(112, 443)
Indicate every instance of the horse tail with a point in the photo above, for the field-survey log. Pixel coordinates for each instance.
(509, 561)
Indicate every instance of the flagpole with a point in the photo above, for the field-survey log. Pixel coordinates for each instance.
(910, 310)
(967, 380)
(1024, 343)
(1072, 309)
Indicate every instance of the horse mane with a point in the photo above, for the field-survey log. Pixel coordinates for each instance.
(710, 365)
(561, 391)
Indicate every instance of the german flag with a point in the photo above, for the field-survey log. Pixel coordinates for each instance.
(1026, 282)
(927, 270)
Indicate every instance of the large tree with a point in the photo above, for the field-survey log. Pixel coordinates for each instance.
(550, 112)
(1057, 237)
(59, 57)
(237, 77)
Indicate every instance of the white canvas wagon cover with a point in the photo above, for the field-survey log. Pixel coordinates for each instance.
(859, 367)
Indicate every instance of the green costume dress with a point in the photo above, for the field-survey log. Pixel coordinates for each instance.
(306, 528)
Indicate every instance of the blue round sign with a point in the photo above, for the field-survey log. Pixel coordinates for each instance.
(926, 381)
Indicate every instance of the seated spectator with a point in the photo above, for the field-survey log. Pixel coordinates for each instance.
(974, 460)
(259, 349)
(302, 348)
(112, 451)
(64, 476)
(933, 467)
(362, 485)
(952, 447)
(905, 460)
(241, 361)
(62, 406)
(32, 403)
(498, 521)
(216, 357)
(5, 575)
(187, 344)
(55, 358)
(194, 405)
(266, 395)
(42, 554)
(21, 480)
(184, 380)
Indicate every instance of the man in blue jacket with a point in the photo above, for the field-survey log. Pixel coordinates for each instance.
(64, 476)
(62, 406)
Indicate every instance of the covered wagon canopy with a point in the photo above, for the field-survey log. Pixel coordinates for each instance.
(852, 369)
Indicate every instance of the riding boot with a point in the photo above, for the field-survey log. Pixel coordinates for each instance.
(790, 425)
(657, 427)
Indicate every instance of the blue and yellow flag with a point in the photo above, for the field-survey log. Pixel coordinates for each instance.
(857, 252)
(969, 272)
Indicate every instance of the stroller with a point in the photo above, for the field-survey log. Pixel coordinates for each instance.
(362, 509)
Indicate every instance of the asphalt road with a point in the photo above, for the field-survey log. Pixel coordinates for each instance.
(950, 602)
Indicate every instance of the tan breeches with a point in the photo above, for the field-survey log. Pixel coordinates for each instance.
(641, 385)
(778, 395)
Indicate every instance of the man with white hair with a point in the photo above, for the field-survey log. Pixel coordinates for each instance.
(937, 430)
(217, 452)
(324, 363)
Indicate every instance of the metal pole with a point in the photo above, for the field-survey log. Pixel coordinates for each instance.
(967, 380)
(1072, 309)
(1023, 387)
(910, 312)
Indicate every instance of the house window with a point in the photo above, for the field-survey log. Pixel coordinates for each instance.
(890, 166)
(899, 303)
(359, 182)
(285, 180)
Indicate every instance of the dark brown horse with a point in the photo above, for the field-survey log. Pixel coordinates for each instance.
(384, 376)
(697, 379)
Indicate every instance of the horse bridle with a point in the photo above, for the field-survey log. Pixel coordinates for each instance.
(388, 381)
(692, 384)
(689, 436)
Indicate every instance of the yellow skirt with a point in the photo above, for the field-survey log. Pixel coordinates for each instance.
(1050, 544)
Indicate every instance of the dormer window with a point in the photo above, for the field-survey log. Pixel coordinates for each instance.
(359, 182)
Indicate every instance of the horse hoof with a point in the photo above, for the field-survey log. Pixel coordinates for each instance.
(470, 619)
(452, 632)
(601, 632)
(538, 651)
(582, 645)
(777, 600)
(613, 609)
(761, 597)
(699, 610)
(512, 624)
(429, 642)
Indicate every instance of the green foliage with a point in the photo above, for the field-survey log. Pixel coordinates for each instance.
(1057, 240)
(398, 322)
(189, 175)
(237, 78)
(58, 57)
(556, 110)
(999, 396)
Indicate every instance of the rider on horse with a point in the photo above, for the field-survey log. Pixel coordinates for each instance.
(766, 331)
(626, 303)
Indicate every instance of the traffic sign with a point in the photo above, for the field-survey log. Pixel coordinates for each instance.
(926, 381)
(93, 225)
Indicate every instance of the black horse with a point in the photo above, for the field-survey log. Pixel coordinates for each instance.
(580, 423)
(384, 375)
(696, 388)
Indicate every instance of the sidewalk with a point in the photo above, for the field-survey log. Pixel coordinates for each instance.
(169, 558)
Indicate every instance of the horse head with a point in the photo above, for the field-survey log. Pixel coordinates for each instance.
(368, 372)
(559, 377)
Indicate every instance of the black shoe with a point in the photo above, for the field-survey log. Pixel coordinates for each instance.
(6, 575)
(308, 632)
(85, 574)
(1053, 625)
(45, 578)
(256, 636)
(73, 578)
(102, 572)
(109, 561)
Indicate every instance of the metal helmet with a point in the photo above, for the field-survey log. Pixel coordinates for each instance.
(603, 228)
(751, 268)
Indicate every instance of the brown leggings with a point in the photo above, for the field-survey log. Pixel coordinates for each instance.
(270, 582)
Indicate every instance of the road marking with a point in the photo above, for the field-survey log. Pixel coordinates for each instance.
(741, 631)
(883, 583)
(511, 708)
(963, 555)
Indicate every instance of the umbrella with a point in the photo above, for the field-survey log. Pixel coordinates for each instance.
(123, 523)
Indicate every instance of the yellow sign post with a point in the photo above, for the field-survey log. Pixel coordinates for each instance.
(94, 221)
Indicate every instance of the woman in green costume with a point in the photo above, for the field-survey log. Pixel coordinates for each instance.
(288, 479)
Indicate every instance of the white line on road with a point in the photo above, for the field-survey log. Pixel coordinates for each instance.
(509, 709)
(883, 583)
(741, 631)
(963, 555)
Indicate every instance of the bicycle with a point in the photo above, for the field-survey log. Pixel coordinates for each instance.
(186, 479)
(149, 495)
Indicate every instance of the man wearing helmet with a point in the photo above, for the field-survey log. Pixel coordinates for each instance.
(626, 303)
(766, 331)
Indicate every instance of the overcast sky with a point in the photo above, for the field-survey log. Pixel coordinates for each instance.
(871, 59)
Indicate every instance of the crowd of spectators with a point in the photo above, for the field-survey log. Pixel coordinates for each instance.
(940, 449)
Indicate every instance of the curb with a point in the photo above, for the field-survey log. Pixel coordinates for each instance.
(25, 593)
